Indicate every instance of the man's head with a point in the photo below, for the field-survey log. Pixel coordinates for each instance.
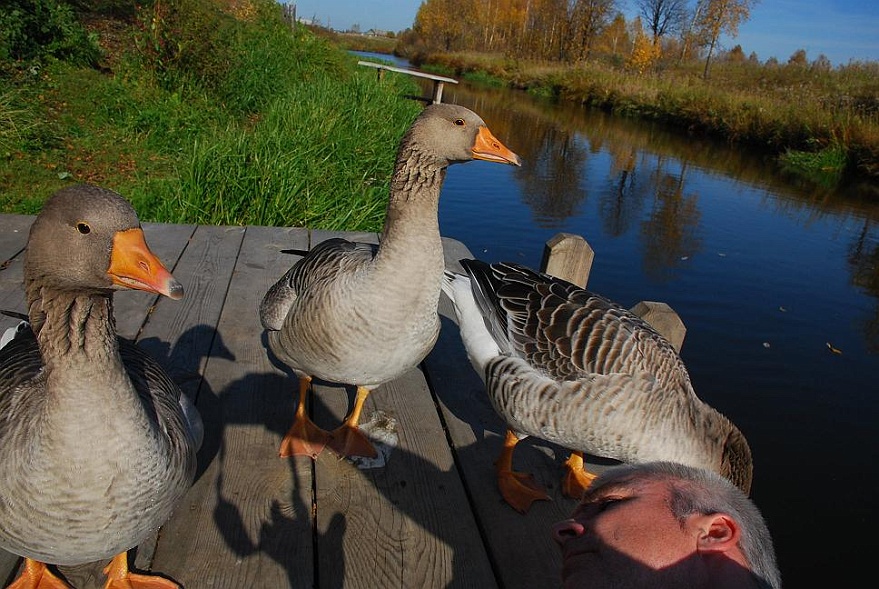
(665, 525)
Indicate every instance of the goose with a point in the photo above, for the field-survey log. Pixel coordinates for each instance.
(97, 443)
(359, 314)
(565, 365)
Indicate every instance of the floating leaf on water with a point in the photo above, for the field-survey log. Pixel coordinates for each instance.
(766, 344)
(832, 349)
(782, 309)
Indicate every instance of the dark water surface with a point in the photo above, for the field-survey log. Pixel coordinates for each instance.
(767, 274)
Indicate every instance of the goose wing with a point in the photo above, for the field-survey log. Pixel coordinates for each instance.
(326, 262)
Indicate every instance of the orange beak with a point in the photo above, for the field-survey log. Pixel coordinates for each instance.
(487, 147)
(133, 265)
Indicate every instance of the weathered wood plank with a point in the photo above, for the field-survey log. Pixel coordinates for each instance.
(13, 238)
(410, 72)
(13, 235)
(247, 521)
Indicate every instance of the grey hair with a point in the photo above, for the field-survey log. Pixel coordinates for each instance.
(696, 490)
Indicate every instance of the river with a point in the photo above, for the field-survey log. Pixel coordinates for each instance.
(776, 280)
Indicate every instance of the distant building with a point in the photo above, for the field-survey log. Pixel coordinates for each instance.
(376, 33)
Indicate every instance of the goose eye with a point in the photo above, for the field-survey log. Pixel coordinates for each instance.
(459, 122)
(83, 228)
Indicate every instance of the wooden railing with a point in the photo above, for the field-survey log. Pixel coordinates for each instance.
(438, 81)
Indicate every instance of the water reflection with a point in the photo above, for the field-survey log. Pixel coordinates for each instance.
(670, 232)
(638, 172)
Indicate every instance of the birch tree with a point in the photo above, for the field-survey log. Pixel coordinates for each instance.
(721, 16)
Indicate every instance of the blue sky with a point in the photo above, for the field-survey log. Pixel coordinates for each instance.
(843, 30)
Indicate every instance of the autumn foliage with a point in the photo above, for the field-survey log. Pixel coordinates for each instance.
(571, 31)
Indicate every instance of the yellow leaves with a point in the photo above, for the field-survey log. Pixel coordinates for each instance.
(645, 54)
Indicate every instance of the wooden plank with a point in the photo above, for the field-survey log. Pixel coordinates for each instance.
(520, 546)
(13, 234)
(247, 520)
(407, 523)
(13, 238)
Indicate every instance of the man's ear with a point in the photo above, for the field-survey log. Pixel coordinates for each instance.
(718, 533)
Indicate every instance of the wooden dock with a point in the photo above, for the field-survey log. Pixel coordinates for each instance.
(438, 81)
(431, 516)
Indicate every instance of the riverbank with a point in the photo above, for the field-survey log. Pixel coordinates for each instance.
(256, 123)
(823, 122)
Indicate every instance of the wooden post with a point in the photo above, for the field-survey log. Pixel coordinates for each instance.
(664, 320)
(437, 91)
(568, 257)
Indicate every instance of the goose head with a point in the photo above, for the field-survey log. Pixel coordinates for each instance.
(89, 239)
(450, 134)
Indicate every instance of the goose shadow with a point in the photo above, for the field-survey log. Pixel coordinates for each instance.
(409, 484)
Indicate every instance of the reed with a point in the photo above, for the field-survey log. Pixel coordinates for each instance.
(783, 109)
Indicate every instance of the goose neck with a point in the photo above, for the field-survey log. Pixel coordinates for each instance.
(78, 330)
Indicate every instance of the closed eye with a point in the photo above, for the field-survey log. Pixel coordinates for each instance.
(608, 502)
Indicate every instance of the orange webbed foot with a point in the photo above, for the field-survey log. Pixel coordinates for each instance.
(520, 489)
(348, 440)
(36, 575)
(577, 479)
(120, 577)
(304, 438)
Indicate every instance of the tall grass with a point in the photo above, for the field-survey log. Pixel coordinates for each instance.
(212, 115)
(320, 156)
(779, 109)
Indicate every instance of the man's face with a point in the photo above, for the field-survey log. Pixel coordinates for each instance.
(625, 536)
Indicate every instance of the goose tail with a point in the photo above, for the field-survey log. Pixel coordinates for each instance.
(479, 342)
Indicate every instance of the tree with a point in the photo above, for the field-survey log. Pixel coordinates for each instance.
(688, 34)
(662, 17)
(736, 55)
(798, 58)
(614, 38)
(645, 52)
(822, 64)
(721, 16)
(442, 23)
(586, 19)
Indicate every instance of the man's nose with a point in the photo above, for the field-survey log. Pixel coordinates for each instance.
(567, 529)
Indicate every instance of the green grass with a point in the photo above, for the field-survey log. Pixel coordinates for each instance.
(273, 126)
(317, 157)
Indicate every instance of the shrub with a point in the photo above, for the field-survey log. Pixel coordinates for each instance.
(34, 29)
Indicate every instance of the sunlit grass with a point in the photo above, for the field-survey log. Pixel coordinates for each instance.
(285, 129)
